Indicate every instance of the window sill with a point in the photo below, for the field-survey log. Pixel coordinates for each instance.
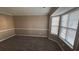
(67, 43)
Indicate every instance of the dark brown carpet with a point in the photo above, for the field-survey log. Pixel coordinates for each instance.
(21, 43)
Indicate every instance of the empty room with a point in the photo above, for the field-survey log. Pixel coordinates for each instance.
(39, 28)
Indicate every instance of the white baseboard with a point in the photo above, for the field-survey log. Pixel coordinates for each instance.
(30, 35)
(58, 44)
(7, 38)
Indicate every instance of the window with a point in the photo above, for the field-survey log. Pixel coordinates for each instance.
(63, 26)
(70, 37)
(68, 27)
(62, 33)
(54, 25)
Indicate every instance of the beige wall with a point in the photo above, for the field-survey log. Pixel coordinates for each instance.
(25, 25)
(31, 25)
(6, 26)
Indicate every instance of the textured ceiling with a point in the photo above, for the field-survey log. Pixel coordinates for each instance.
(24, 10)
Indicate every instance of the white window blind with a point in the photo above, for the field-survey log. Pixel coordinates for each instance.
(70, 37)
(73, 19)
(62, 33)
(64, 20)
(63, 26)
(54, 25)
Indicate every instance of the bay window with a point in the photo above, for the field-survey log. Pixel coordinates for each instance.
(66, 26)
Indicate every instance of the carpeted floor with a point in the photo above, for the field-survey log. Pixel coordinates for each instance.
(21, 43)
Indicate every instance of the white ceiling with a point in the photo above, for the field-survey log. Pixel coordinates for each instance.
(24, 10)
(62, 10)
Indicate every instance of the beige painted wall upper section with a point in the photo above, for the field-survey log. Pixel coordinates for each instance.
(40, 22)
(6, 22)
(31, 25)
